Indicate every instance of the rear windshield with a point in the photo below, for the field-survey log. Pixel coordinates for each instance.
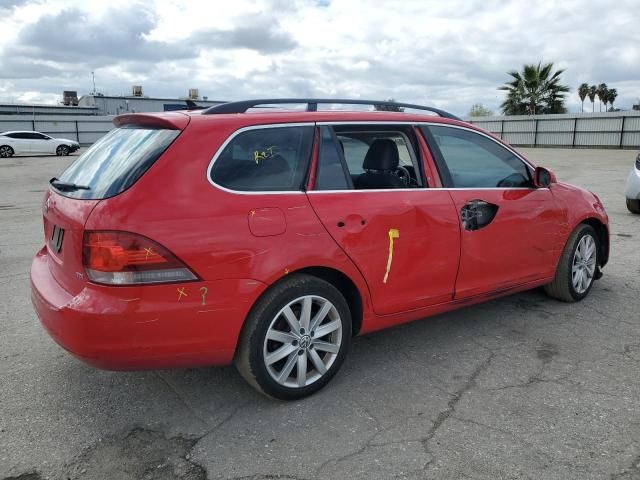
(116, 161)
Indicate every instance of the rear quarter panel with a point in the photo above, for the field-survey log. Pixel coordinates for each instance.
(211, 229)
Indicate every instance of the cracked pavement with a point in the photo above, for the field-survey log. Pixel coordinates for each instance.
(520, 387)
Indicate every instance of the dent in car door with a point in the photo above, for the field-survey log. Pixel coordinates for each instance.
(405, 242)
(510, 234)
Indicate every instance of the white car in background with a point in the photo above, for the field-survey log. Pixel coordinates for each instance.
(34, 143)
(632, 191)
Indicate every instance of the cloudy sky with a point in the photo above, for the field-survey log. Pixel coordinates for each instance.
(449, 54)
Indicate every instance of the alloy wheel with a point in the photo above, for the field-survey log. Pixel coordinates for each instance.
(583, 266)
(302, 341)
(5, 152)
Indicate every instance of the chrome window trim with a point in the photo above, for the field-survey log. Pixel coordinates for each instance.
(234, 135)
(370, 122)
(436, 124)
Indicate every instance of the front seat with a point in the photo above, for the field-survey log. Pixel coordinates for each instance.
(381, 159)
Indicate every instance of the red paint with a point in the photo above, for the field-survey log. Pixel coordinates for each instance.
(236, 254)
(266, 222)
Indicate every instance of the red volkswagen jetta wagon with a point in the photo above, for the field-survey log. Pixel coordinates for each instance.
(268, 237)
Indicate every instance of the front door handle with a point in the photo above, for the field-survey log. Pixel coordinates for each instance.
(477, 214)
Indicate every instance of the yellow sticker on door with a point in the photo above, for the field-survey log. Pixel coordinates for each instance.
(393, 233)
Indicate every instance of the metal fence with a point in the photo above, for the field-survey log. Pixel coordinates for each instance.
(84, 129)
(585, 130)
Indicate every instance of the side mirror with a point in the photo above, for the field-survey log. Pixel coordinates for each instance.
(543, 177)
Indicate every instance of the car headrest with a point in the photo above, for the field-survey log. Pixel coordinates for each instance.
(382, 155)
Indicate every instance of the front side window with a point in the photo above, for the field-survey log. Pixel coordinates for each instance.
(265, 159)
(467, 159)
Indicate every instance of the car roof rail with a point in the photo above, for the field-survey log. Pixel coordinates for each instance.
(312, 105)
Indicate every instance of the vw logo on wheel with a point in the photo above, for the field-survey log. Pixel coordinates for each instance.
(305, 341)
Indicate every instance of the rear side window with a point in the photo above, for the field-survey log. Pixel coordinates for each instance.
(265, 159)
(116, 161)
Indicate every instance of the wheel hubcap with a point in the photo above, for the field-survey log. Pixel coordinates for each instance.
(303, 341)
(584, 264)
(4, 151)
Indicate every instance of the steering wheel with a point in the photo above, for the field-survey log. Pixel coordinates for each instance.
(403, 174)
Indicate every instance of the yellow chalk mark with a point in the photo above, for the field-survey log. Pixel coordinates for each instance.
(259, 155)
(148, 252)
(393, 233)
(252, 212)
(286, 271)
(203, 291)
(181, 293)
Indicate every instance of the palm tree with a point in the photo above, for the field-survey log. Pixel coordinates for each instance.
(593, 90)
(583, 91)
(602, 95)
(613, 94)
(534, 90)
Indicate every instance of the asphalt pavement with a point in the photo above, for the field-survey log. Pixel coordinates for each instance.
(522, 387)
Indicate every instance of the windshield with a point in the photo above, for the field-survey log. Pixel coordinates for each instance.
(116, 161)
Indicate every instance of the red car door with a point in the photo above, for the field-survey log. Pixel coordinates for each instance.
(511, 232)
(405, 241)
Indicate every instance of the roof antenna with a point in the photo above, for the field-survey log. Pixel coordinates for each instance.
(93, 80)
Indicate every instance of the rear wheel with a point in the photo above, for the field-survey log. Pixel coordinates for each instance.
(6, 151)
(62, 151)
(295, 338)
(633, 205)
(576, 270)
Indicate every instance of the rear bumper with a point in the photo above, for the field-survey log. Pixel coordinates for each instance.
(144, 327)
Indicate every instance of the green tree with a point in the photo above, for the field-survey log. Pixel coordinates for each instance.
(537, 89)
(479, 110)
(593, 90)
(601, 91)
(613, 94)
(583, 91)
(380, 107)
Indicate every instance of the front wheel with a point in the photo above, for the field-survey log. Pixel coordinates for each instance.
(295, 338)
(62, 151)
(633, 205)
(576, 270)
(6, 151)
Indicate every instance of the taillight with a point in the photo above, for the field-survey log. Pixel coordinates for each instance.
(123, 258)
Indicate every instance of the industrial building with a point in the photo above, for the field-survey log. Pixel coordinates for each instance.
(99, 104)
(137, 102)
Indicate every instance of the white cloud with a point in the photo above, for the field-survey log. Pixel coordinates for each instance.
(449, 54)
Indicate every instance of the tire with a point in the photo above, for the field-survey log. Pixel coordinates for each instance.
(6, 151)
(633, 205)
(62, 150)
(272, 365)
(576, 269)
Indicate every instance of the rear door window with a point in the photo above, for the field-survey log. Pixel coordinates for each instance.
(265, 159)
(116, 161)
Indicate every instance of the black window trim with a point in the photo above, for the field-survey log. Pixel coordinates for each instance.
(443, 169)
(343, 161)
(237, 132)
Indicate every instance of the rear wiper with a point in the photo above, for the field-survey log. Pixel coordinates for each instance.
(66, 186)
